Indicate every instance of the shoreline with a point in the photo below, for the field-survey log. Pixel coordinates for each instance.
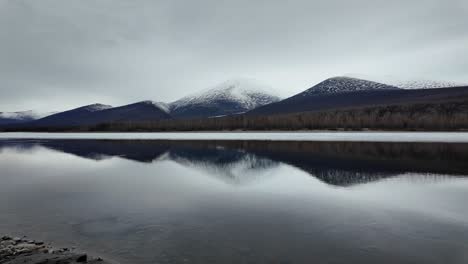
(345, 136)
(15, 250)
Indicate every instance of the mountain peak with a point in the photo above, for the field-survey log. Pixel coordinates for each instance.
(230, 97)
(247, 92)
(343, 84)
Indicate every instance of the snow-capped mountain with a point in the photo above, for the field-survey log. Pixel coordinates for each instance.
(346, 84)
(231, 97)
(331, 93)
(21, 116)
(346, 92)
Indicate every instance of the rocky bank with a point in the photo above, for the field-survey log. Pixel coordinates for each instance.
(15, 250)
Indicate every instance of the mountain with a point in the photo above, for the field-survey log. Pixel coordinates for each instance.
(243, 96)
(21, 117)
(99, 113)
(231, 97)
(331, 93)
(345, 92)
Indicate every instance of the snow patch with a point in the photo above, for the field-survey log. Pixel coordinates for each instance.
(411, 83)
(97, 107)
(161, 105)
(427, 84)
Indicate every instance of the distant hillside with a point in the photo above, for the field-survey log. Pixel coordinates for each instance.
(74, 117)
(354, 93)
(98, 113)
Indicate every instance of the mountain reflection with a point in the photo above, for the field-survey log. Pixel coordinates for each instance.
(232, 165)
(336, 163)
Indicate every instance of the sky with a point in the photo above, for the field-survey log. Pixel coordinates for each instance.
(61, 54)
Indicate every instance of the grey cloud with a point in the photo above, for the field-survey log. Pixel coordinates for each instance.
(58, 54)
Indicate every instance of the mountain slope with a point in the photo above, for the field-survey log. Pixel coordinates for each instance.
(99, 113)
(231, 97)
(343, 92)
(71, 117)
(137, 112)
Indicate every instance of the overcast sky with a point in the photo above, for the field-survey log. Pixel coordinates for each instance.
(60, 54)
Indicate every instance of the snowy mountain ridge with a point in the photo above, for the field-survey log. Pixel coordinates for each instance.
(427, 84)
(410, 83)
(247, 93)
(231, 97)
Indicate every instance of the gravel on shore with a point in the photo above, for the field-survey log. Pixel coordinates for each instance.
(15, 250)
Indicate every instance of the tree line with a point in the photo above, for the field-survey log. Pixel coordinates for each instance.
(426, 116)
(438, 116)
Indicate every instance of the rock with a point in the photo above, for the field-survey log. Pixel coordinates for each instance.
(26, 251)
(82, 258)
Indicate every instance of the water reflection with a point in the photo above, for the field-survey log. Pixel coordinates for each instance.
(145, 202)
(335, 163)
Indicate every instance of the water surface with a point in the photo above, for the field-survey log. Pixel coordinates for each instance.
(156, 201)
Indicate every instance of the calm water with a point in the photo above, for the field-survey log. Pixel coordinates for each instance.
(204, 202)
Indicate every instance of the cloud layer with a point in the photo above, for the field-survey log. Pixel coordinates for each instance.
(57, 54)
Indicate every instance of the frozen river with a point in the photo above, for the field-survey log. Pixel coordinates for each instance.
(448, 137)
